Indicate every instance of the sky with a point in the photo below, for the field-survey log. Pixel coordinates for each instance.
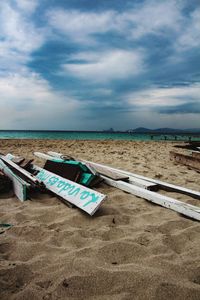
(92, 65)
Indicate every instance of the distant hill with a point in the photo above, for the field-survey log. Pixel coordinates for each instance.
(164, 130)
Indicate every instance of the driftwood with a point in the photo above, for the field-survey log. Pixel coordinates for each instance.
(187, 160)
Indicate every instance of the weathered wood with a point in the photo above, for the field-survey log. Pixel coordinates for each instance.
(80, 196)
(64, 157)
(114, 174)
(74, 193)
(178, 206)
(55, 156)
(21, 161)
(186, 160)
(45, 156)
(23, 173)
(74, 170)
(20, 186)
(161, 184)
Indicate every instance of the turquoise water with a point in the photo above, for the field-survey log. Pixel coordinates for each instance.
(78, 135)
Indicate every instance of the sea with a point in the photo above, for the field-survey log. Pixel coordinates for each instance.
(96, 135)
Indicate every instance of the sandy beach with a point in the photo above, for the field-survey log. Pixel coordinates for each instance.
(130, 249)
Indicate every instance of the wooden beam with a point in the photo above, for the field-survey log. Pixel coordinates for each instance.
(19, 185)
(54, 156)
(25, 174)
(78, 195)
(46, 156)
(72, 192)
(186, 160)
(161, 184)
(114, 174)
(178, 206)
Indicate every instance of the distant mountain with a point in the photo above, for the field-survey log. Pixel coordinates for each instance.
(164, 130)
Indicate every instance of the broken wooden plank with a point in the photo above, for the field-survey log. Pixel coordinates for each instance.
(161, 184)
(70, 169)
(186, 160)
(74, 193)
(46, 156)
(20, 186)
(54, 156)
(80, 196)
(178, 206)
(67, 157)
(113, 174)
(18, 170)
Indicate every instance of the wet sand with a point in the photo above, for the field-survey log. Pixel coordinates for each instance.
(130, 249)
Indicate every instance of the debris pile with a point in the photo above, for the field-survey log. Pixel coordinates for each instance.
(72, 180)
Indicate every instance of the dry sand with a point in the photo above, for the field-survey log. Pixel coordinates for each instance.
(130, 249)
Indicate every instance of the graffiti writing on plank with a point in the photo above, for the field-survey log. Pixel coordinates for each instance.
(64, 187)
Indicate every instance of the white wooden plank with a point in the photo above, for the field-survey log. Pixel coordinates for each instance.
(136, 181)
(28, 175)
(158, 182)
(162, 184)
(19, 185)
(45, 156)
(178, 206)
(80, 196)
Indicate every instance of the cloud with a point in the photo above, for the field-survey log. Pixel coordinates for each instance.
(190, 36)
(80, 26)
(101, 67)
(149, 17)
(152, 17)
(169, 99)
(28, 101)
(18, 37)
(27, 5)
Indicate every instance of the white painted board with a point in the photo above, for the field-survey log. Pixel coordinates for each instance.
(86, 199)
(176, 205)
(19, 185)
(28, 175)
(163, 184)
(44, 156)
(136, 181)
